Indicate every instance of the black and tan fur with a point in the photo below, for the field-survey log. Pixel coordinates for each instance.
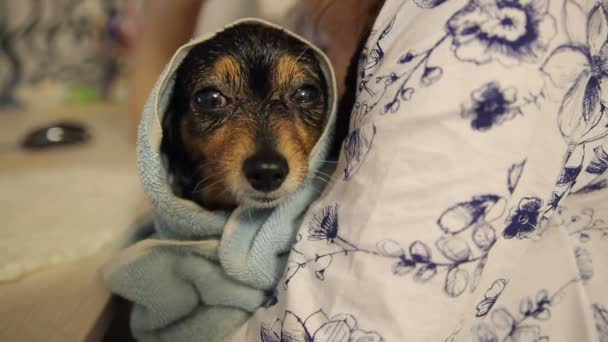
(248, 91)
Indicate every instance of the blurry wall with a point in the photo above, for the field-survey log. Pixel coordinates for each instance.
(50, 39)
(217, 13)
(59, 43)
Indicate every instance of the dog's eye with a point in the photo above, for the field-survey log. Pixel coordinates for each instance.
(305, 94)
(210, 99)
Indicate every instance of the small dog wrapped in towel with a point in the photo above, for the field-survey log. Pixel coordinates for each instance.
(232, 150)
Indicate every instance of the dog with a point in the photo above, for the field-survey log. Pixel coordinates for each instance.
(247, 108)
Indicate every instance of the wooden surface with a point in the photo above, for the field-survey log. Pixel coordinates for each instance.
(65, 302)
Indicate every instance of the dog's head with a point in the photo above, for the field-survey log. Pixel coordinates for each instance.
(248, 107)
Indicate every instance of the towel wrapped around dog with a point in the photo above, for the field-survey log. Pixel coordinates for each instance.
(202, 273)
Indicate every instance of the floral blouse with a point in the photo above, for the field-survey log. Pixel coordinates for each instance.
(470, 201)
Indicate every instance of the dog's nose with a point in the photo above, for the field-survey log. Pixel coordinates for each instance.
(266, 170)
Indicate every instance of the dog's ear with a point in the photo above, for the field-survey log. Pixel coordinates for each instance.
(180, 169)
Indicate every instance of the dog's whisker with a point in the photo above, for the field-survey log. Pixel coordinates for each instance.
(201, 183)
(197, 185)
(202, 165)
(250, 217)
(302, 53)
(208, 186)
(211, 163)
(206, 164)
(322, 179)
(313, 188)
(325, 175)
(325, 181)
(322, 173)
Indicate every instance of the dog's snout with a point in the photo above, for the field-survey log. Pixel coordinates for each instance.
(266, 170)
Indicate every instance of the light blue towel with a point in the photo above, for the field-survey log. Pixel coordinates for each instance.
(203, 273)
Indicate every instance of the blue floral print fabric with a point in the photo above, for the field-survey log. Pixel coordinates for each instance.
(471, 197)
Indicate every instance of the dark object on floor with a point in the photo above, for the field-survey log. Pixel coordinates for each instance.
(8, 101)
(55, 135)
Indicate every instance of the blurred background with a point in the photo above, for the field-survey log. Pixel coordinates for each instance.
(78, 51)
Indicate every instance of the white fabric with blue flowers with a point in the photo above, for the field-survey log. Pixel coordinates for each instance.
(470, 201)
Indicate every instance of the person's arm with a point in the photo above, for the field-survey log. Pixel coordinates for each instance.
(338, 26)
(167, 25)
